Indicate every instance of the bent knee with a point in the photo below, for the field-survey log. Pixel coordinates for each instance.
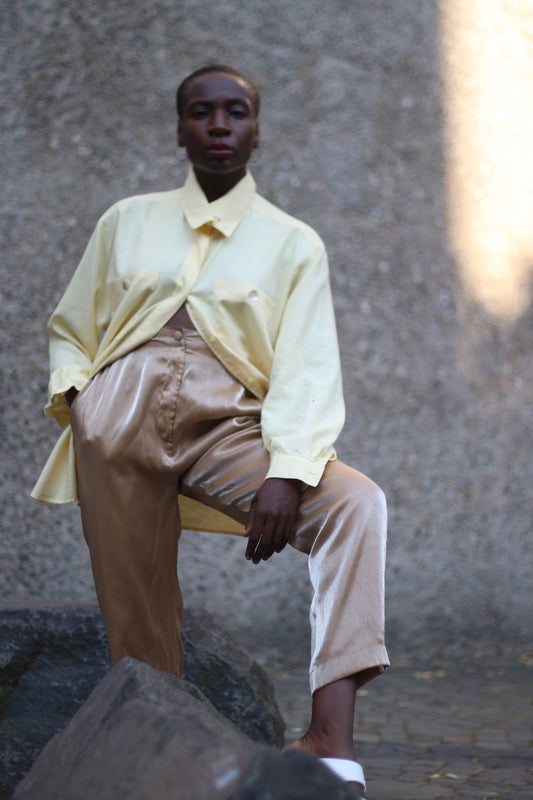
(358, 490)
(376, 496)
(370, 500)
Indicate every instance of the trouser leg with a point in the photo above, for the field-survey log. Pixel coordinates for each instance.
(342, 526)
(130, 516)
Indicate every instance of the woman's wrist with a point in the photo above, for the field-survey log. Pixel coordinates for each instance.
(70, 394)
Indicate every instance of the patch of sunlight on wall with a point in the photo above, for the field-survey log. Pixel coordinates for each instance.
(487, 57)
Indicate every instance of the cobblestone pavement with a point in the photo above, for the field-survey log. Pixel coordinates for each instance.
(437, 734)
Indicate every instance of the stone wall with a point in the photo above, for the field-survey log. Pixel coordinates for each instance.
(438, 390)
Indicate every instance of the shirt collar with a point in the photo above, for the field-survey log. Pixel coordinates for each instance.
(223, 214)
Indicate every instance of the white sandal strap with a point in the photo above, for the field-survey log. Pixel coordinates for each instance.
(345, 769)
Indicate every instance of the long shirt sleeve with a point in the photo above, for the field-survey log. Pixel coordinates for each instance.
(303, 411)
(75, 324)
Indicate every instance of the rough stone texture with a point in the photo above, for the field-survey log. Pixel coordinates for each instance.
(49, 664)
(50, 661)
(236, 685)
(290, 776)
(438, 390)
(142, 735)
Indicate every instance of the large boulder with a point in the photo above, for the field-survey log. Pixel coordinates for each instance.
(50, 661)
(145, 735)
(141, 734)
(244, 693)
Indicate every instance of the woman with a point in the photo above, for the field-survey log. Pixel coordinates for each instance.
(194, 353)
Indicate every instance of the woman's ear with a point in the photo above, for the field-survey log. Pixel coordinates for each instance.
(180, 135)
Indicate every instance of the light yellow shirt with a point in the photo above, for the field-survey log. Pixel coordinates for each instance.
(256, 286)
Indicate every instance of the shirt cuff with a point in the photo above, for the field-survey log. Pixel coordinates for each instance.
(61, 381)
(298, 468)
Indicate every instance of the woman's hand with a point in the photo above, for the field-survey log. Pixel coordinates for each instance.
(70, 395)
(271, 519)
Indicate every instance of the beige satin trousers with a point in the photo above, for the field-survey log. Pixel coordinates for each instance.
(169, 416)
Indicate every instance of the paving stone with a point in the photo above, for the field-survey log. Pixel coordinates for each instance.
(390, 790)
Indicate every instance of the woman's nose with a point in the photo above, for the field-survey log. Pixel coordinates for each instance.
(219, 121)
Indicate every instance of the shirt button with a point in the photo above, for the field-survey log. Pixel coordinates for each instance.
(253, 295)
(125, 285)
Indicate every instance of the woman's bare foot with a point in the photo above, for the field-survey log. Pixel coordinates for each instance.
(330, 733)
(321, 747)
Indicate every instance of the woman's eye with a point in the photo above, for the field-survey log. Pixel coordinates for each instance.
(238, 113)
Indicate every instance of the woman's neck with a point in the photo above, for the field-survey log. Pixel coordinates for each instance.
(215, 186)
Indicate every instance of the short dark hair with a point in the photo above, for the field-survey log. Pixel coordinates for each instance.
(224, 69)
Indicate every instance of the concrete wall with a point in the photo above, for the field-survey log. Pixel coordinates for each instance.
(438, 389)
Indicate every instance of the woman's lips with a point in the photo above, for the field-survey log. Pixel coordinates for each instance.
(220, 150)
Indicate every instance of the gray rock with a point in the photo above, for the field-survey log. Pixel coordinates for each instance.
(50, 660)
(49, 663)
(243, 694)
(290, 776)
(145, 735)
(141, 735)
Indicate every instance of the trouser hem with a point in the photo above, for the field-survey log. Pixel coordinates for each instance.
(360, 661)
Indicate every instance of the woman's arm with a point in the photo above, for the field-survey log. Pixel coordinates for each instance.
(76, 324)
(303, 412)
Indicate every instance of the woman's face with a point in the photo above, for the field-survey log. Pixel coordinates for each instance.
(218, 127)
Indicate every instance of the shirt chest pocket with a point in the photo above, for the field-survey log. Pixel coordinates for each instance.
(243, 317)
